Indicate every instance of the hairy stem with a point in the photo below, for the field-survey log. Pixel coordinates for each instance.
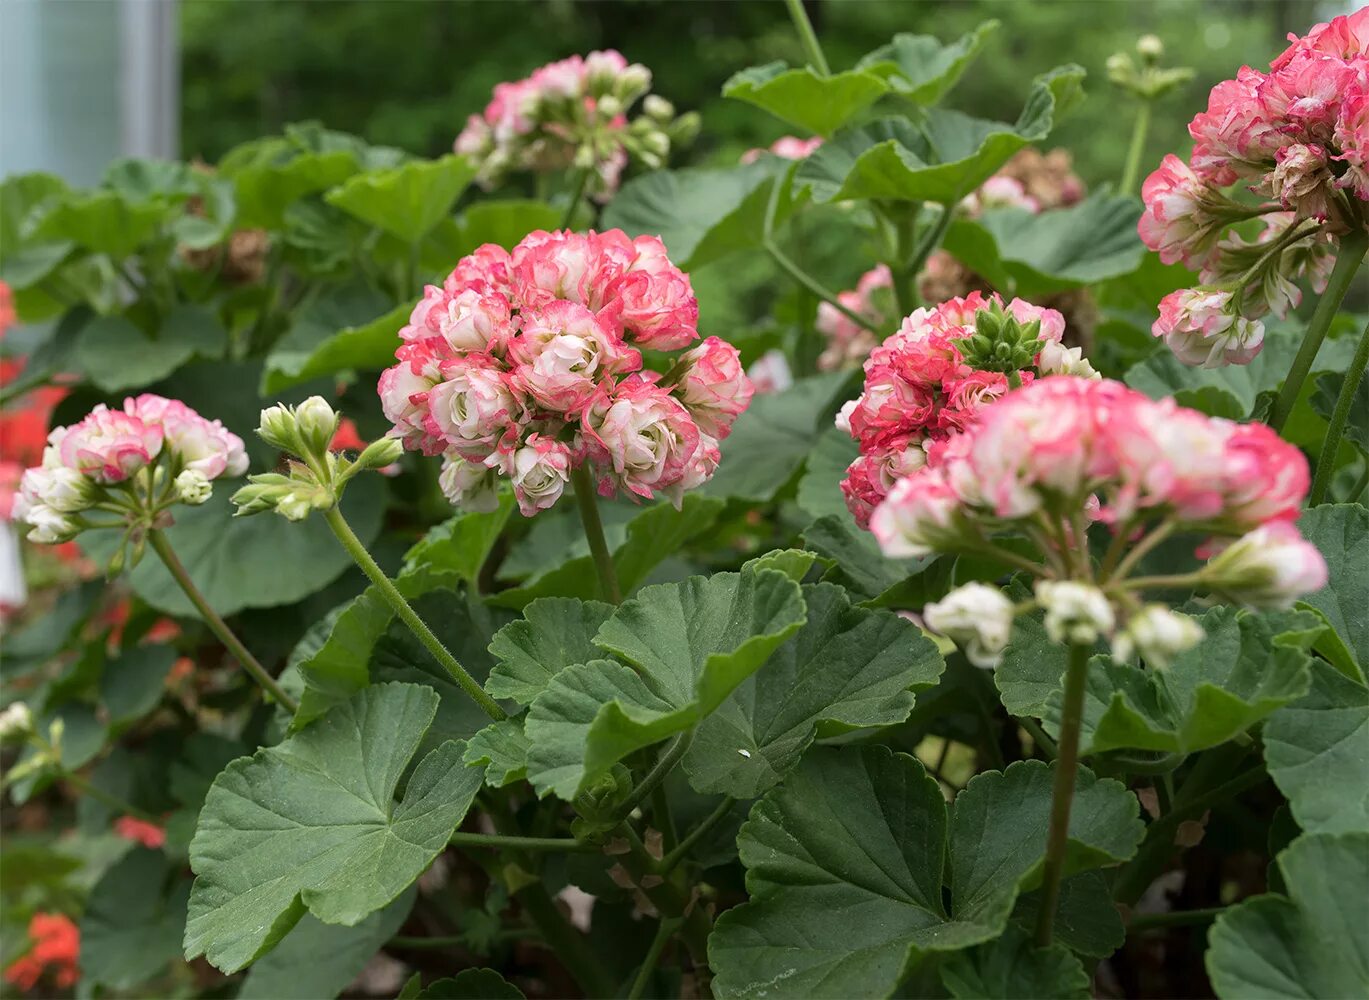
(668, 863)
(405, 612)
(162, 546)
(583, 482)
(501, 841)
(808, 36)
(1340, 416)
(1348, 261)
(1062, 796)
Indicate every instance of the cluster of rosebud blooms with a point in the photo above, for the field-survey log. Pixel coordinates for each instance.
(1298, 136)
(134, 463)
(573, 114)
(931, 379)
(528, 365)
(786, 147)
(1047, 460)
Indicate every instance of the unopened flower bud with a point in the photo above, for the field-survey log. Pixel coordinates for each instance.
(658, 107)
(317, 423)
(1271, 567)
(294, 506)
(66, 490)
(978, 617)
(16, 723)
(50, 527)
(684, 130)
(1077, 613)
(1158, 635)
(277, 428)
(379, 454)
(1150, 47)
(193, 487)
(609, 107)
(632, 83)
(261, 493)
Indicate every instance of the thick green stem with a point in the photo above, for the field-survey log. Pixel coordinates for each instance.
(808, 36)
(670, 861)
(664, 765)
(664, 930)
(86, 787)
(408, 615)
(1340, 416)
(1132, 171)
(162, 546)
(500, 841)
(1175, 918)
(583, 481)
(1062, 797)
(1039, 736)
(577, 192)
(1348, 261)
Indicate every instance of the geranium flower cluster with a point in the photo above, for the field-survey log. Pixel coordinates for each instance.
(931, 379)
(572, 113)
(1297, 135)
(529, 364)
(849, 343)
(786, 147)
(54, 951)
(1049, 456)
(100, 461)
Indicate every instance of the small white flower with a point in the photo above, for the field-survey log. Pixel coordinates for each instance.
(193, 487)
(1270, 567)
(976, 616)
(1057, 359)
(16, 722)
(1158, 634)
(50, 527)
(1076, 613)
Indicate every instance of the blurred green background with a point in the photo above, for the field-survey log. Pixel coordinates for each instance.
(408, 72)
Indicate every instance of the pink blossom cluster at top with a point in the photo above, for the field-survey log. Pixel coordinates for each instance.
(108, 447)
(528, 364)
(1064, 445)
(919, 389)
(567, 113)
(786, 147)
(1297, 135)
(847, 341)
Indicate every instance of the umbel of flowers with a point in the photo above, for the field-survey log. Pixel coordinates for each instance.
(1297, 137)
(134, 464)
(930, 380)
(573, 114)
(529, 365)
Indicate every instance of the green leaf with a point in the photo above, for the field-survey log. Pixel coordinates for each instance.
(922, 69)
(408, 200)
(503, 750)
(805, 98)
(1341, 533)
(859, 563)
(700, 213)
(1310, 943)
(846, 862)
(793, 563)
(1247, 666)
(1317, 750)
(653, 535)
(1036, 255)
(348, 327)
(472, 984)
(771, 439)
(1086, 920)
(132, 685)
(461, 544)
(689, 644)
(247, 562)
(1324, 402)
(504, 222)
(317, 960)
(115, 354)
(553, 633)
(23, 198)
(145, 180)
(101, 222)
(1029, 673)
(850, 666)
(941, 159)
(820, 488)
(1013, 968)
(133, 920)
(313, 824)
(264, 190)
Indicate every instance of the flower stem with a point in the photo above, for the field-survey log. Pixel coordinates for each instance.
(577, 191)
(808, 36)
(86, 787)
(935, 234)
(501, 841)
(664, 765)
(408, 615)
(1175, 918)
(1138, 551)
(568, 944)
(583, 481)
(668, 863)
(664, 930)
(1062, 797)
(162, 546)
(1132, 171)
(1340, 416)
(1348, 261)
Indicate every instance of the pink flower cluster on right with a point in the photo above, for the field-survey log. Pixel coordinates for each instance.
(1066, 444)
(919, 390)
(1298, 135)
(526, 365)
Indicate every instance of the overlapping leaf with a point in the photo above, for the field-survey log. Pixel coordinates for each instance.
(1341, 533)
(920, 67)
(312, 824)
(553, 633)
(1012, 968)
(133, 921)
(803, 97)
(406, 201)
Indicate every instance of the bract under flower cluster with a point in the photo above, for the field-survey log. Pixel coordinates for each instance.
(93, 460)
(921, 387)
(528, 364)
(1298, 135)
(571, 113)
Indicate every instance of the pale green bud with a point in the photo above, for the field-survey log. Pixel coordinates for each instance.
(317, 423)
(278, 428)
(294, 506)
(658, 107)
(16, 723)
(379, 454)
(1150, 47)
(193, 487)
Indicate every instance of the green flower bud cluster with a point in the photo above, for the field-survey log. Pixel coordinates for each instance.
(1143, 76)
(1000, 342)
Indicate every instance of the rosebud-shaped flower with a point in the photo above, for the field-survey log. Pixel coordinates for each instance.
(474, 408)
(1201, 327)
(1158, 634)
(1270, 567)
(50, 527)
(1301, 180)
(64, 490)
(193, 487)
(920, 516)
(1057, 359)
(539, 470)
(713, 386)
(871, 476)
(564, 265)
(317, 422)
(978, 617)
(473, 318)
(652, 298)
(563, 353)
(1077, 613)
(1184, 216)
(16, 722)
(109, 446)
(641, 436)
(469, 485)
(277, 428)
(403, 393)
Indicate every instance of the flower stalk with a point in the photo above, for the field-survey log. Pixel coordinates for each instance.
(1340, 416)
(588, 503)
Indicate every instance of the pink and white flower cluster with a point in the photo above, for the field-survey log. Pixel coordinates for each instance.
(570, 113)
(919, 389)
(110, 447)
(1297, 135)
(786, 147)
(529, 364)
(1065, 445)
(849, 343)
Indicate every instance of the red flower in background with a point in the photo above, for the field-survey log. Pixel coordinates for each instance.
(56, 947)
(140, 831)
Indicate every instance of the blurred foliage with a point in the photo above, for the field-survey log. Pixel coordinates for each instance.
(408, 72)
